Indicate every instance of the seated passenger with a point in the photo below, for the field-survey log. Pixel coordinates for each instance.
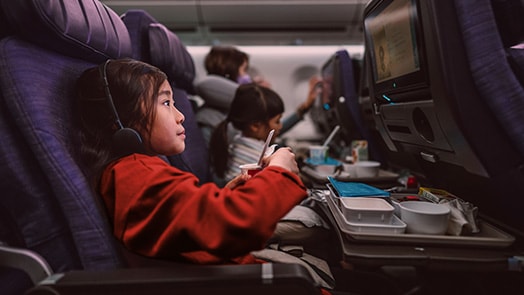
(227, 67)
(155, 209)
(255, 111)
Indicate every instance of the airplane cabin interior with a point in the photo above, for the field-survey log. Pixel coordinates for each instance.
(431, 91)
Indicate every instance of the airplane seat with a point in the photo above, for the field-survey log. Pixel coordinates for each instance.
(48, 207)
(349, 109)
(153, 43)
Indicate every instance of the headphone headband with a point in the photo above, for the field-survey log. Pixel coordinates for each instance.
(125, 140)
(103, 73)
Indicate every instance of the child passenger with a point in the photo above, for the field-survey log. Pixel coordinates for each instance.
(155, 209)
(254, 111)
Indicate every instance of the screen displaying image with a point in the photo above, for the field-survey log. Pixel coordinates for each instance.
(393, 41)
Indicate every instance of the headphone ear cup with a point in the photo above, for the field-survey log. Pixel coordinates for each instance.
(127, 141)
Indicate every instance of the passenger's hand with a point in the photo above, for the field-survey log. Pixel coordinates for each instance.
(240, 179)
(312, 95)
(284, 158)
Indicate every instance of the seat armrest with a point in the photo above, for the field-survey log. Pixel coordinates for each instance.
(26, 260)
(268, 278)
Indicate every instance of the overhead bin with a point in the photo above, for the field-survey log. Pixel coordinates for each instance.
(257, 21)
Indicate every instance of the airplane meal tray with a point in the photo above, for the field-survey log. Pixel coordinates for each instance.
(489, 235)
(383, 176)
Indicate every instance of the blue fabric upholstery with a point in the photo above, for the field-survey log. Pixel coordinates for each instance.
(492, 74)
(48, 206)
(46, 193)
(155, 44)
(171, 56)
(137, 23)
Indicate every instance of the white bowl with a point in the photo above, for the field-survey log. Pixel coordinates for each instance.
(366, 168)
(350, 169)
(424, 217)
(325, 170)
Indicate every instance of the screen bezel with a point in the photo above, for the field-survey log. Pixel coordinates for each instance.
(329, 69)
(394, 89)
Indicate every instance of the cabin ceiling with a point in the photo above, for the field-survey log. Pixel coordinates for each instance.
(256, 22)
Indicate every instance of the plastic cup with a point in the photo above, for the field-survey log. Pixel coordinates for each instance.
(318, 153)
(250, 169)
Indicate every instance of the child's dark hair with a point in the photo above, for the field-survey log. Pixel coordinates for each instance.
(252, 104)
(225, 61)
(133, 86)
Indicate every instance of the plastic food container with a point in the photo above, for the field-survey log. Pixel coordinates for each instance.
(366, 210)
(397, 226)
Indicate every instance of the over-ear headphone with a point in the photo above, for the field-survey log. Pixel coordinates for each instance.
(126, 140)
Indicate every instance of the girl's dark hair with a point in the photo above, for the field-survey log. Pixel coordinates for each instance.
(252, 104)
(134, 88)
(225, 61)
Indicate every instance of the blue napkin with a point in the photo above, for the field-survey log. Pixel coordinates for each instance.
(356, 189)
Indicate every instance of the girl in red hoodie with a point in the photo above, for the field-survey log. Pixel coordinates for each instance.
(128, 118)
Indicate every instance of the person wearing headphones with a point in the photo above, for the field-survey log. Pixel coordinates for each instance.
(155, 209)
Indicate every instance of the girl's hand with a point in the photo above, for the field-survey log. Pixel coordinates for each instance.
(240, 179)
(284, 158)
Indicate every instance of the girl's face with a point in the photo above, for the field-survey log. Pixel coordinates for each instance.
(273, 123)
(167, 132)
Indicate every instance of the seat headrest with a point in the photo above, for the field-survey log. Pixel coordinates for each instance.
(137, 22)
(217, 91)
(85, 29)
(155, 44)
(171, 56)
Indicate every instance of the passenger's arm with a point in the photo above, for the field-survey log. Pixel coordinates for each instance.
(163, 212)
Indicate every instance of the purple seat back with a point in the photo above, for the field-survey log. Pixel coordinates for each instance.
(48, 206)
